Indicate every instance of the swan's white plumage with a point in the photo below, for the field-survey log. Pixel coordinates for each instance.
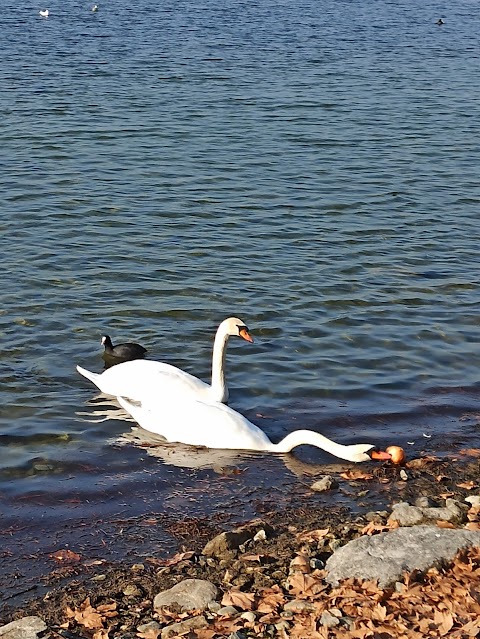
(216, 425)
(139, 379)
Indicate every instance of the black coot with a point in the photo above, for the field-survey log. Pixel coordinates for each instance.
(125, 352)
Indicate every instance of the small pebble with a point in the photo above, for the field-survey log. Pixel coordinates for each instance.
(248, 616)
(260, 536)
(328, 620)
(227, 611)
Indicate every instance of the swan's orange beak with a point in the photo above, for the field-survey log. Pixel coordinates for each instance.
(380, 454)
(243, 332)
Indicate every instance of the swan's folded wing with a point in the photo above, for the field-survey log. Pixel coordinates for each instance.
(197, 423)
(141, 379)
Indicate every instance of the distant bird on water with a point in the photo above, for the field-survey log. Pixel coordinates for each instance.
(440, 21)
(43, 13)
(124, 352)
(95, 8)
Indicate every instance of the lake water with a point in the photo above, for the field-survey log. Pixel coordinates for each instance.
(311, 167)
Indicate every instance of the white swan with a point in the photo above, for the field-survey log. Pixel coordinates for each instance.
(43, 13)
(145, 378)
(215, 425)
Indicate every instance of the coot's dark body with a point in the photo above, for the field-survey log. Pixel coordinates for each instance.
(124, 352)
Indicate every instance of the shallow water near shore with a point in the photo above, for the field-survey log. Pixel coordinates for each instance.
(311, 168)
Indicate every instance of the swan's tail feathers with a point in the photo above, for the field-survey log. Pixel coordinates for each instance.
(93, 377)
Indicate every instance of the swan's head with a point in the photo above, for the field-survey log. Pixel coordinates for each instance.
(365, 452)
(235, 326)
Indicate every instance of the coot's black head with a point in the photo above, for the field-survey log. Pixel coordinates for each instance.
(106, 341)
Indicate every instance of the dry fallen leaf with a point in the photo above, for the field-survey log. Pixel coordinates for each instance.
(180, 556)
(372, 528)
(441, 523)
(421, 462)
(300, 584)
(271, 599)
(470, 452)
(468, 485)
(251, 558)
(353, 474)
(239, 599)
(65, 555)
(312, 535)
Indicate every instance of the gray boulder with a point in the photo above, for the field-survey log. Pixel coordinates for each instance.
(26, 628)
(385, 557)
(189, 594)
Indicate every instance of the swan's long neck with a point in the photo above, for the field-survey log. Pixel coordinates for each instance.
(299, 437)
(219, 386)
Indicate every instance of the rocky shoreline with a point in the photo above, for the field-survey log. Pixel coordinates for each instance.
(300, 572)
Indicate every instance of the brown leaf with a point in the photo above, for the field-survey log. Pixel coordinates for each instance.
(354, 474)
(473, 525)
(468, 485)
(301, 584)
(470, 452)
(239, 599)
(87, 616)
(473, 513)
(180, 556)
(371, 528)
(379, 613)
(444, 621)
(65, 555)
(271, 599)
(251, 558)
(441, 523)
(101, 634)
(312, 535)
(421, 462)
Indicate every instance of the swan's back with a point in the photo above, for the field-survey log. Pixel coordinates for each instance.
(146, 378)
(198, 423)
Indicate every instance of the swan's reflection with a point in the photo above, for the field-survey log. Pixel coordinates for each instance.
(105, 409)
(195, 457)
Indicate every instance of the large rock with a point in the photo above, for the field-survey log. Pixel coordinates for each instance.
(189, 594)
(385, 557)
(26, 628)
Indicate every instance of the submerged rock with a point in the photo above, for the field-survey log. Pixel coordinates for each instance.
(327, 482)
